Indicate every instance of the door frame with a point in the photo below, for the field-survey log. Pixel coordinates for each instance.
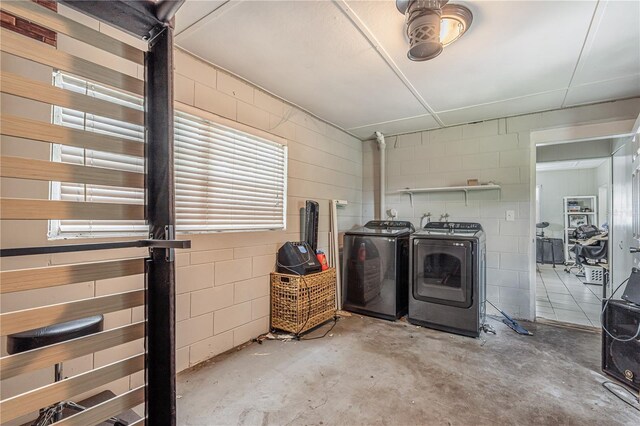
(556, 136)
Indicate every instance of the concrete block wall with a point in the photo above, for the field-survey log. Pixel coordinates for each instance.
(223, 281)
(496, 151)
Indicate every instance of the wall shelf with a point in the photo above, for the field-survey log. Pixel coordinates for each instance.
(465, 189)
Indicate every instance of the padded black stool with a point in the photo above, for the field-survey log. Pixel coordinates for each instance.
(33, 339)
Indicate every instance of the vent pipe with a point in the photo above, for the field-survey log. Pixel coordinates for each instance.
(382, 147)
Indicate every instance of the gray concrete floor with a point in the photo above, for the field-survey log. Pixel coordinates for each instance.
(376, 372)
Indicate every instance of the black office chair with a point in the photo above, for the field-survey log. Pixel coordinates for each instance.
(33, 339)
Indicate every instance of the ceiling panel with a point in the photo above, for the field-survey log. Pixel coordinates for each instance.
(308, 53)
(407, 125)
(612, 49)
(539, 102)
(512, 49)
(194, 10)
(618, 88)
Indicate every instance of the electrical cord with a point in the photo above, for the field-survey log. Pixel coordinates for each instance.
(623, 389)
(335, 321)
(604, 308)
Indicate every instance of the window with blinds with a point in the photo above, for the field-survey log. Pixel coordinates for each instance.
(226, 179)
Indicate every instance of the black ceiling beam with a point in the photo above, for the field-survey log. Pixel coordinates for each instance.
(141, 18)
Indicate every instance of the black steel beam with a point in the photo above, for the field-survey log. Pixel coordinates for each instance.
(71, 248)
(134, 17)
(160, 210)
(141, 18)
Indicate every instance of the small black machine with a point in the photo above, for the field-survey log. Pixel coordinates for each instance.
(447, 279)
(375, 269)
(297, 258)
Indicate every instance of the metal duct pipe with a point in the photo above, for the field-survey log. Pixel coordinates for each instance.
(166, 9)
(382, 146)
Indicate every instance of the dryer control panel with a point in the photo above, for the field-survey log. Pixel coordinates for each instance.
(454, 226)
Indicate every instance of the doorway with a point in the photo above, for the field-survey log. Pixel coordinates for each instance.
(573, 216)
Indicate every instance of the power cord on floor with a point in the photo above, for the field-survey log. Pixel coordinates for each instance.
(625, 391)
(335, 321)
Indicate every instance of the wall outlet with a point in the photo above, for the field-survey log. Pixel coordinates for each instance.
(511, 215)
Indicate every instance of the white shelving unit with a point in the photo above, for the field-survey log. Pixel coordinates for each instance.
(465, 189)
(574, 218)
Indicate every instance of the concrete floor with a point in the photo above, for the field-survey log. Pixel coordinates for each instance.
(377, 372)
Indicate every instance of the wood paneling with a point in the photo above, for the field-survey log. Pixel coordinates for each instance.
(17, 85)
(32, 50)
(66, 389)
(24, 362)
(26, 209)
(29, 319)
(64, 25)
(45, 132)
(51, 276)
(24, 168)
(107, 409)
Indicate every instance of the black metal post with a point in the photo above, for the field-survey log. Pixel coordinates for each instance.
(161, 370)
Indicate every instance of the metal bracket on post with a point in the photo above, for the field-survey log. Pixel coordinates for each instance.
(170, 235)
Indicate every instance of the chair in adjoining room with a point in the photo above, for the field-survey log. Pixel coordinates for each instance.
(45, 336)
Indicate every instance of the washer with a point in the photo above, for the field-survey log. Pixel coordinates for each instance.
(447, 283)
(375, 269)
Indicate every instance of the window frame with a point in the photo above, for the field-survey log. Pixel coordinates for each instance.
(55, 193)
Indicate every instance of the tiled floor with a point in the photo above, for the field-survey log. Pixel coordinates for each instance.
(564, 297)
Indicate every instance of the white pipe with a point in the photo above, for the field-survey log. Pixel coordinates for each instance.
(382, 147)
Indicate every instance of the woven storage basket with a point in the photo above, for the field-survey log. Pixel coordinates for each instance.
(299, 303)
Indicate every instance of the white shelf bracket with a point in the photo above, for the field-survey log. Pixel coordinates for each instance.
(466, 193)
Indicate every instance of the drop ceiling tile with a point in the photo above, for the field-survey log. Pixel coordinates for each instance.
(408, 125)
(512, 49)
(511, 107)
(618, 88)
(194, 10)
(612, 49)
(308, 53)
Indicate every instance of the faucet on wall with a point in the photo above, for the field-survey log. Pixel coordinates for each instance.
(425, 215)
(444, 216)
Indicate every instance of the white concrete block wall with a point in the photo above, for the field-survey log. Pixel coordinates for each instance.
(223, 281)
(496, 151)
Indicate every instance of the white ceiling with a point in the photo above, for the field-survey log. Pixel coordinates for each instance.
(591, 163)
(345, 61)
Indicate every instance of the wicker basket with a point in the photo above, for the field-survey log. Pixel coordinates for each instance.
(299, 303)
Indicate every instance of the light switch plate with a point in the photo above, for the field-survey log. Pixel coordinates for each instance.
(511, 215)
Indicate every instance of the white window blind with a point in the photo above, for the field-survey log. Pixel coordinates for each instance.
(74, 155)
(226, 179)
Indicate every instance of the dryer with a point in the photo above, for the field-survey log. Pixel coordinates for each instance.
(375, 269)
(447, 280)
